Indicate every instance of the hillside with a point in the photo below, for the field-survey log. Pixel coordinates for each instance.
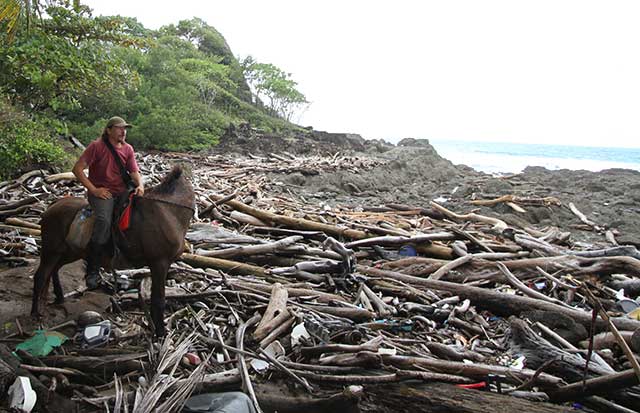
(181, 85)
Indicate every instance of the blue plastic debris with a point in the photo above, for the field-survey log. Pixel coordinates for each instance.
(407, 251)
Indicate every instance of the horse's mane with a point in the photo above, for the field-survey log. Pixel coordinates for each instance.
(168, 184)
(173, 189)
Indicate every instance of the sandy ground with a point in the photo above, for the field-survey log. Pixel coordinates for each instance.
(15, 298)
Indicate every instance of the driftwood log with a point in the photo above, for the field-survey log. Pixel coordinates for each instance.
(104, 366)
(441, 397)
(498, 303)
(604, 385)
(538, 351)
(297, 223)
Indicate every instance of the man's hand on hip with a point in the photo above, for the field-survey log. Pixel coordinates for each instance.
(102, 193)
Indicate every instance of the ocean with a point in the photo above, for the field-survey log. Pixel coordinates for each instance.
(500, 157)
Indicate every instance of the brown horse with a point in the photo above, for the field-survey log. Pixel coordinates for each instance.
(159, 222)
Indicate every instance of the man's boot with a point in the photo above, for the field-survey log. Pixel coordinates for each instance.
(94, 257)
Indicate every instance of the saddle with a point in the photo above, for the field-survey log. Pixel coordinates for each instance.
(82, 225)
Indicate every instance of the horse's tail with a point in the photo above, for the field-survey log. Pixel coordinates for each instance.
(168, 184)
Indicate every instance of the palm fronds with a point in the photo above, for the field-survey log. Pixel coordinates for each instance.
(165, 390)
(9, 15)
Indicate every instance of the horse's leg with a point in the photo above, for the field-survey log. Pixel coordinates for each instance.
(57, 287)
(158, 277)
(41, 281)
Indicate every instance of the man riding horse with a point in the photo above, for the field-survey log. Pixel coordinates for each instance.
(107, 186)
(154, 236)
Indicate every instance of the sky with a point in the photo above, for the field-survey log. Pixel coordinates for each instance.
(551, 72)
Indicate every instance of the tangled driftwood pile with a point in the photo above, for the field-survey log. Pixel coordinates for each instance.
(325, 308)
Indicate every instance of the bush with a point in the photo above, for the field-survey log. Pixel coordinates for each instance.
(26, 145)
(176, 130)
(87, 133)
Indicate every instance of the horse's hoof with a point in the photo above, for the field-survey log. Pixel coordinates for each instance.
(58, 301)
(161, 334)
(91, 282)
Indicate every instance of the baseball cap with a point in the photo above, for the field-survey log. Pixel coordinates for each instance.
(117, 121)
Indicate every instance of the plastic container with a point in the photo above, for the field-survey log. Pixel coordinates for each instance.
(95, 335)
(229, 402)
(123, 283)
(22, 397)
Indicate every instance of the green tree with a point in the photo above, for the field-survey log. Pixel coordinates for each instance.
(272, 84)
(69, 58)
(213, 45)
(208, 77)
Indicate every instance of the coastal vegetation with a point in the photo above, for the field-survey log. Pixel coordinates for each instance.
(64, 71)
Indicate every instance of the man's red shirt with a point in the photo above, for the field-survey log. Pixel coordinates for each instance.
(103, 169)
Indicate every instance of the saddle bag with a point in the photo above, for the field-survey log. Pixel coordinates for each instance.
(81, 229)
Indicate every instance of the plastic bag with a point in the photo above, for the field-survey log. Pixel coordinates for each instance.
(42, 343)
(81, 229)
(229, 402)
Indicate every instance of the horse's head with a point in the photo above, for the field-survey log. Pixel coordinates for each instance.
(174, 188)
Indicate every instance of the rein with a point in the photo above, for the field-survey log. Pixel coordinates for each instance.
(170, 203)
